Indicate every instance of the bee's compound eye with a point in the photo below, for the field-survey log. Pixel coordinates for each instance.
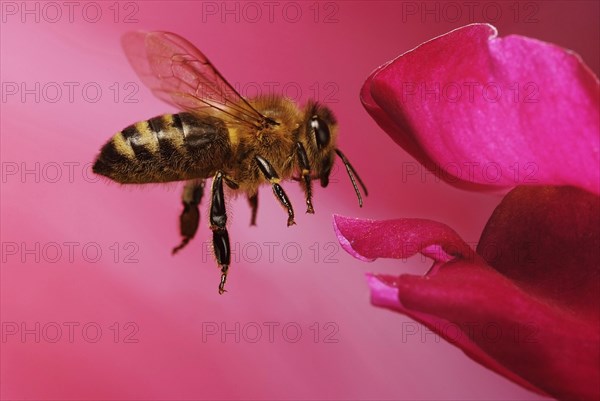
(321, 131)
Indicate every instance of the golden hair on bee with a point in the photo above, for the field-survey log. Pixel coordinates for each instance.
(239, 143)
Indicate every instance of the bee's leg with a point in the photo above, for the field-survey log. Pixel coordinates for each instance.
(231, 183)
(305, 166)
(218, 220)
(271, 175)
(253, 201)
(190, 216)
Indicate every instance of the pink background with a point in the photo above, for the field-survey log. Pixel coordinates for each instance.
(163, 305)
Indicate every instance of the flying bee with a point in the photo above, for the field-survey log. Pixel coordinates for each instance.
(241, 143)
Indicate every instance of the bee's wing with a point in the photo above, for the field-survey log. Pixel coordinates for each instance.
(178, 73)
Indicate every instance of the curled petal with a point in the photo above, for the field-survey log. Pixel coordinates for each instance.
(481, 111)
(368, 240)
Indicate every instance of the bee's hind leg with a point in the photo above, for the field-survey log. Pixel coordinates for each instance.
(190, 216)
(271, 175)
(218, 221)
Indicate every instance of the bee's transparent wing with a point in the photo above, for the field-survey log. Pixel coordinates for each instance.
(178, 73)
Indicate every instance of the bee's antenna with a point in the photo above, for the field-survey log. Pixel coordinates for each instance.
(351, 174)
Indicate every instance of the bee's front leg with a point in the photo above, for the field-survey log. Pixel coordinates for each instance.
(271, 175)
(190, 216)
(305, 166)
(218, 221)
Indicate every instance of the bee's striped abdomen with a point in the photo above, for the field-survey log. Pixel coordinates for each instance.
(170, 147)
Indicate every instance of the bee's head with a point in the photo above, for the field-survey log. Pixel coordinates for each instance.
(320, 129)
(320, 138)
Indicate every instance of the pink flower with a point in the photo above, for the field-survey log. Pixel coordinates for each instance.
(505, 111)
(526, 303)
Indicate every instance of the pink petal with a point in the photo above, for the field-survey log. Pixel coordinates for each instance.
(368, 240)
(547, 239)
(491, 111)
(528, 336)
(531, 316)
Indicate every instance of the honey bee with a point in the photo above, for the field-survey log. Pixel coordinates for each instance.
(242, 143)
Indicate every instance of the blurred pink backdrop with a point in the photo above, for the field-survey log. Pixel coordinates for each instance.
(93, 305)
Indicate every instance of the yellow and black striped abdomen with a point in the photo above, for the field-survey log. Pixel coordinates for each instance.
(171, 147)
